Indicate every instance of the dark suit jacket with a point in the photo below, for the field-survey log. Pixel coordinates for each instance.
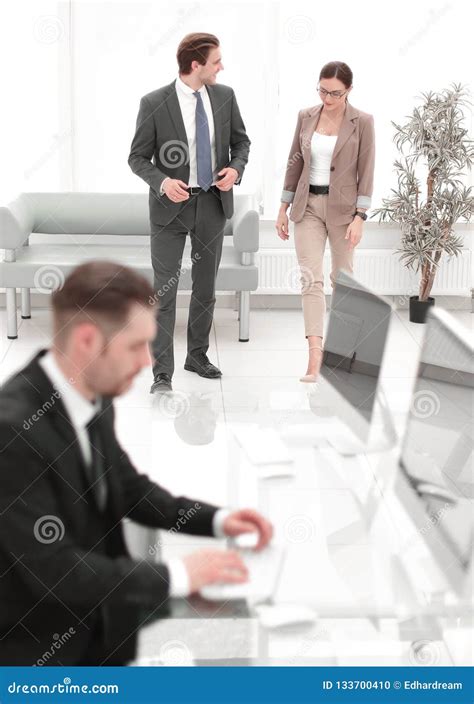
(85, 576)
(161, 135)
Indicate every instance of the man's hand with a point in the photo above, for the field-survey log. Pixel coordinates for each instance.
(209, 566)
(248, 521)
(229, 177)
(175, 189)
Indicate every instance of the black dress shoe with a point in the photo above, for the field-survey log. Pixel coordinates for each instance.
(202, 366)
(162, 383)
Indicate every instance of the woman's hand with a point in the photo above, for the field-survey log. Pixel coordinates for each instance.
(354, 232)
(282, 225)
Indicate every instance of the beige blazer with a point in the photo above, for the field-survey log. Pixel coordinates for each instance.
(352, 165)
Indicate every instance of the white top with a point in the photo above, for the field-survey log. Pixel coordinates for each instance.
(187, 103)
(322, 147)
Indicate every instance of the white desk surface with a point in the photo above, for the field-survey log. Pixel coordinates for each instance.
(345, 538)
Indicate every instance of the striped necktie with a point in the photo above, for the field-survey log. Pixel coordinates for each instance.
(203, 146)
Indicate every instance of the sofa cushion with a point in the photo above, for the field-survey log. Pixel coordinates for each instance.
(45, 266)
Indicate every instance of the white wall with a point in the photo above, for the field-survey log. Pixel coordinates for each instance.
(75, 72)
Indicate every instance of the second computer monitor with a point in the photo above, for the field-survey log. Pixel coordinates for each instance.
(354, 350)
(436, 479)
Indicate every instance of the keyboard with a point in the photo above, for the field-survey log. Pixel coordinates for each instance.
(264, 570)
(263, 446)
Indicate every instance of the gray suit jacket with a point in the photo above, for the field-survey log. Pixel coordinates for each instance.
(160, 147)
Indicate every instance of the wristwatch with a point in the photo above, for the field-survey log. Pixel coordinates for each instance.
(364, 216)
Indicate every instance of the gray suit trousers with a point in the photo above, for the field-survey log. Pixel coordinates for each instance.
(202, 217)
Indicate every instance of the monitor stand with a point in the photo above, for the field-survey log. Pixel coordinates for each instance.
(335, 428)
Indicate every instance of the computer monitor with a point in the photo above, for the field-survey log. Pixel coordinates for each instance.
(349, 383)
(435, 483)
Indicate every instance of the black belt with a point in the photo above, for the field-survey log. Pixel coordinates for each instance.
(319, 190)
(194, 190)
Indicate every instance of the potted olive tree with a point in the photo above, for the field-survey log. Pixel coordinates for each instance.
(435, 151)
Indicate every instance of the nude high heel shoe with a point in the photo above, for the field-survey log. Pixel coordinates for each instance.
(311, 378)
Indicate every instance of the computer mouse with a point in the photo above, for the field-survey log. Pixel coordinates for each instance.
(246, 541)
(278, 615)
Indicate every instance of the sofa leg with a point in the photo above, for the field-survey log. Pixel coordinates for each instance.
(25, 303)
(244, 316)
(12, 327)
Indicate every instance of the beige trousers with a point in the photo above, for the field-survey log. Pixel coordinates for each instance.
(310, 241)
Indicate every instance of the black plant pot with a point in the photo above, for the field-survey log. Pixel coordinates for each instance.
(419, 309)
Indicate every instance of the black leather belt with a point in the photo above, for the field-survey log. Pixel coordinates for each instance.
(319, 190)
(194, 190)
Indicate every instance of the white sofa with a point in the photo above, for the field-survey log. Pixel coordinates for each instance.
(28, 264)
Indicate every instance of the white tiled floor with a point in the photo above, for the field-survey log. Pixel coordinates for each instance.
(259, 377)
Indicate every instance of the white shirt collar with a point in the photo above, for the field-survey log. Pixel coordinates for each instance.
(186, 89)
(78, 408)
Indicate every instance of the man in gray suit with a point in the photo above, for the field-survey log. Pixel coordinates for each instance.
(191, 147)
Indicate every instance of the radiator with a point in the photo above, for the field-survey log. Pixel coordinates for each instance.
(380, 270)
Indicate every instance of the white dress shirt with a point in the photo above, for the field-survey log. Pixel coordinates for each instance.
(80, 412)
(187, 103)
(79, 409)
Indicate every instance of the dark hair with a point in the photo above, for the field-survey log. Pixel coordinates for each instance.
(101, 292)
(339, 70)
(195, 47)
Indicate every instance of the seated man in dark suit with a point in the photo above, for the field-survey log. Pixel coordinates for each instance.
(66, 485)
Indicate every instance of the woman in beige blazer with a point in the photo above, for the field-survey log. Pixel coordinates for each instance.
(328, 183)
